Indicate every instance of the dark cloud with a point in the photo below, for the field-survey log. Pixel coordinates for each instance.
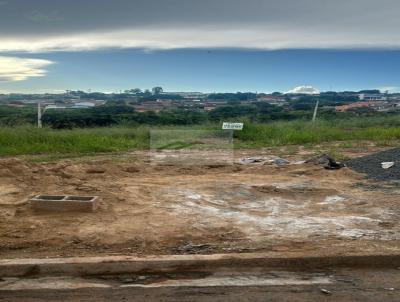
(73, 15)
(368, 22)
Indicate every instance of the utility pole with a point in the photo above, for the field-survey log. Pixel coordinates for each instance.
(39, 115)
(315, 112)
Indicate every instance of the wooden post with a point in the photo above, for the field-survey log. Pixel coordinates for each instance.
(39, 115)
(315, 112)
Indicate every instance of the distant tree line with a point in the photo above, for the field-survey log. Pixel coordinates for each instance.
(236, 106)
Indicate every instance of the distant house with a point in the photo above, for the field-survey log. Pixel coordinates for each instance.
(83, 105)
(147, 109)
(55, 107)
(372, 97)
(273, 100)
(377, 105)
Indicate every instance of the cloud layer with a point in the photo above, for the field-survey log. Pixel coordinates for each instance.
(19, 69)
(49, 25)
(303, 90)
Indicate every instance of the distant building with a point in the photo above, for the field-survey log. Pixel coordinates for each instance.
(372, 97)
(55, 107)
(273, 100)
(187, 95)
(377, 105)
(209, 108)
(83, 105)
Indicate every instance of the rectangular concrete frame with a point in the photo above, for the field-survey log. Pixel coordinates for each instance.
(64, 203)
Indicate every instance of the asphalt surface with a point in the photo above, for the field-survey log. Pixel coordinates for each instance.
(371, 165)
(344, 285)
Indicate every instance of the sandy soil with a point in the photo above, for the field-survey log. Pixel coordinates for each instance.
(215, 208)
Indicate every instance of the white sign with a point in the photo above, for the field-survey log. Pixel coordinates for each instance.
(232, 126)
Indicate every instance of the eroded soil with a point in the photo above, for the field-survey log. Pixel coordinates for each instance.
(176, 209)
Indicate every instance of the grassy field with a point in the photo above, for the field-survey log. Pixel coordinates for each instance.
(31, 141)
(380, 131)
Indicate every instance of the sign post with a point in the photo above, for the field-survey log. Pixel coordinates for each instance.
(39, 115)
(232, 126)
(314, 118)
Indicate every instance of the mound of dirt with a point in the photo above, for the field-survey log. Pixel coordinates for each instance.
(371, 165)
(12, 167)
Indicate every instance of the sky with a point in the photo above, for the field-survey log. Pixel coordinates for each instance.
(208, 45)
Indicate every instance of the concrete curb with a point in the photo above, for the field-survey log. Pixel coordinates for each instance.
(177, 263)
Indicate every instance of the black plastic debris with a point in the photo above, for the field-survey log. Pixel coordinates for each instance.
(326, 161)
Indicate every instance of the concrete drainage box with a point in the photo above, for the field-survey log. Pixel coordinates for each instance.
(64, 203)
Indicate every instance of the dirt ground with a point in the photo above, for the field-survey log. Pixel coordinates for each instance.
(149, 208)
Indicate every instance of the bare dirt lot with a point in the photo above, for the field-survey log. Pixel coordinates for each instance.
(177, 209)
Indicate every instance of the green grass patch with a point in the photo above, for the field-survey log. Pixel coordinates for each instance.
(90, 141)
(29, 140)
(304, 133)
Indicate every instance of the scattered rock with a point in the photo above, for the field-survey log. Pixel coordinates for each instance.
(85, 188)
(386, 224)
(326, 161)
(253, 159)
(65, 175)
(58, 168)
(325, 292)
(76, 241)
(371, 165)
(4, 172)
(128, 280)
(191, 248)
(131, 169)
(95, 171)
(216, 166)
(280, 161)
(264, 159)
(300, 162)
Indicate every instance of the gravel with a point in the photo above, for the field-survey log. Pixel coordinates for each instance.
(372, 165)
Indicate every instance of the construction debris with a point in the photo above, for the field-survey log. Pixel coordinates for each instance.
(253, 159)
(326, 161)
(265, 160)
(64, 203)
(372, 165)
(280, 161)
(196, 210)
(387, 165)
(326, 292)
(95, 171)
(191, 248)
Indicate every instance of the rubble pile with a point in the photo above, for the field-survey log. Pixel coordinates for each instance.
(374, 165)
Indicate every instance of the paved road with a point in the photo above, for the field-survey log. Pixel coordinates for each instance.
(330, 285)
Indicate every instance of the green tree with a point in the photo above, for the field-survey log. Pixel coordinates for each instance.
(157, 90)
